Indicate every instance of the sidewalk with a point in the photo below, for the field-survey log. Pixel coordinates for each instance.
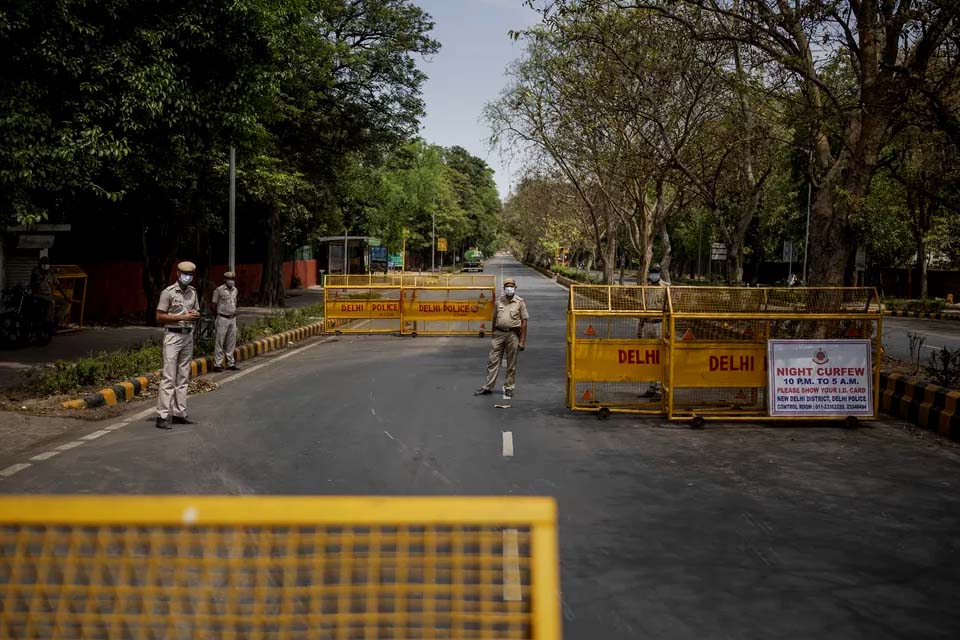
(15, 363)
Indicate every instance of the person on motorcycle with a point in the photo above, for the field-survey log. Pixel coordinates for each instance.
(43, 283)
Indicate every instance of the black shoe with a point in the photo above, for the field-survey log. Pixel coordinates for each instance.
(233, 367)
(163, 424)
(508, 394)
(183, 420)
(482, 391)
(217, 369)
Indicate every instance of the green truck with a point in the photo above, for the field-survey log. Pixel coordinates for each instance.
(473, 260)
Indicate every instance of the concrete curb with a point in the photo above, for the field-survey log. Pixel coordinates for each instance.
(926, 316)
(929, 406)
(129, 389)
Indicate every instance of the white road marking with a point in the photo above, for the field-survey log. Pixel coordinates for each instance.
(237, 376)
(373, 411)
(512, 589)
(507, 444)
(46, 455)
(95, 435)
(70, 445)
(926, 346)
(389, 436)
(14, 468)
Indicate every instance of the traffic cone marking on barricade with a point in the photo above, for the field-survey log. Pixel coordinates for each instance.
(590, 331)
(587, 396)
(853, 331)
(688, 335)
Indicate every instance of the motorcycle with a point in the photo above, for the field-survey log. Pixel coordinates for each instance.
(23, 319)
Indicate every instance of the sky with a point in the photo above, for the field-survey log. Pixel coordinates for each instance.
(468, 72)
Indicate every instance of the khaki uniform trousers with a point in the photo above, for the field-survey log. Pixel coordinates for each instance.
(172, 396)
(226, 342)
(504, 345)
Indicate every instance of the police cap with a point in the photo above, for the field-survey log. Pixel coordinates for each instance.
(186, 267)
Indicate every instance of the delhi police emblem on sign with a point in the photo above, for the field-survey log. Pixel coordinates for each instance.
(821, 357)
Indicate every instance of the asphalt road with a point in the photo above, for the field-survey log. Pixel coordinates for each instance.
(937, 334)
(733, 532)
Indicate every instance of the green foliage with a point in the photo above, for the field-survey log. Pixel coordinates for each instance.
(926, 305)
(575, 274)
(944, 368)
(110, 367)
(100, 369)
(280, 322)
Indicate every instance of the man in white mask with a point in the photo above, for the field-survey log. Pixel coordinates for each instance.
(177, 311)
(225, 309)
(652, 328)
(509, 337)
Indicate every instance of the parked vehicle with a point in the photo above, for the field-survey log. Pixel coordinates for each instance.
(23, 319)
(473, 260)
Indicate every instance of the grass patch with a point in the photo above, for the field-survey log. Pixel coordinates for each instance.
(109, 367)
(925, 305)
(100, 369)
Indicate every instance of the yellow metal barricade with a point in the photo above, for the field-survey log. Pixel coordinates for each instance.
(616, 349)
(718, 364)
(278, 567)
(361, 309)
(410, 304)
(447, 310)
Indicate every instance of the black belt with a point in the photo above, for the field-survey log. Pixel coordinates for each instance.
(230, 317)
(180, 329)
(510, 330)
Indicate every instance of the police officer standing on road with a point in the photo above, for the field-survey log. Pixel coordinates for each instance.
(225, 308)
(651, 328)
(509, 337)
(177, 311)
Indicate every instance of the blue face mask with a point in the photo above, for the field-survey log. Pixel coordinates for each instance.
(186, 278)
(654, 277)
(509, 291)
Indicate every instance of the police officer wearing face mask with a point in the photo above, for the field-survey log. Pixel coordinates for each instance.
(652, 328)
(225, 308)
(509, 337)
(177, 311)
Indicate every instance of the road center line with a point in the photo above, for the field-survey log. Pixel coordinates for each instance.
(507, 444)
(70, 445)
(46, 455)
(95, 435)
(512, 589)
(14, 468)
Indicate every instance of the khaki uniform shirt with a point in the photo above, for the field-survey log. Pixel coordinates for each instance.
(176, 301)
(510, 312)
(225, 300)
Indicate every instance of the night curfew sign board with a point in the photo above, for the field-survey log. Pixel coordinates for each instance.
(820, 378)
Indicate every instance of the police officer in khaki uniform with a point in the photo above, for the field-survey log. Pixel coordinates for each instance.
(509, 337)
(225, 308)
(177, 311)
(651, 328)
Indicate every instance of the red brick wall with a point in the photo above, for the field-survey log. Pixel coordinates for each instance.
(115, 289)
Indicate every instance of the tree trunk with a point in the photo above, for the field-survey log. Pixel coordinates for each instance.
(667, 254)
(159, 246)
(734, 263)
(271, 282)
(608, 258)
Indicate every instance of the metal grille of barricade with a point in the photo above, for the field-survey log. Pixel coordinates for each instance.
(616, 352)
(718, 362)
(241, 567)
(448, 280)
(373, 309)
(362, 280)
(450, 310)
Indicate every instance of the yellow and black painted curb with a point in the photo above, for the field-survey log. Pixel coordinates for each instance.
(929, 406)
(129, 389)
(926, 316)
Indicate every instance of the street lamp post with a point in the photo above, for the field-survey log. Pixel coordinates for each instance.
(433, 241)
(232, 224)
